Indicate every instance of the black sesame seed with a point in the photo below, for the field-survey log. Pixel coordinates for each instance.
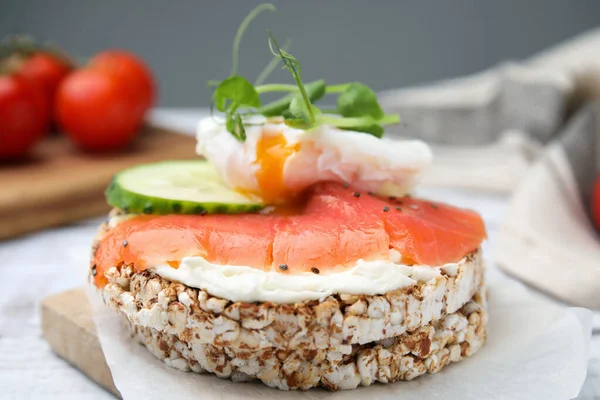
(94, 271)
(148, 209)
(199, 210)
(356, 194)
(386, 209)
(283, 267)
(399, 208)
(203, 213)
(433, 205)
(315, 270)
(176, 207)
(392, 197)
(371, 193)
(125, 243)
(345, 185)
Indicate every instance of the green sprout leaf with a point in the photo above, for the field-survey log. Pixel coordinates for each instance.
(271, 66)
(298, 115)
(298, 123)
(364, 124)
(357, 106)
(241, 134)
(293, 66)
(230, 124)
(242, 28)
(238, 91)
(235, 125)
(358, 100)
(315, 91)
(299, 109)
(374, 129)
(276, 87)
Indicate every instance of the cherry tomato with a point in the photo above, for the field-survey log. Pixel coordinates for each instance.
(97, 111)
(24, 116)
(596, 202)
(45, 69)
(133, 72)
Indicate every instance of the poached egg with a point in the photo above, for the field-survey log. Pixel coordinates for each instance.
(276, 162)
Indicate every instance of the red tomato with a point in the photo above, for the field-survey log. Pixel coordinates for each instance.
(24, 116)
(132, 70)
(97, 110)
(46, 69)
(596, 202)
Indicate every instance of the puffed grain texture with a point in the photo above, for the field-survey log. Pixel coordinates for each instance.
(340, 342)
(426, 350)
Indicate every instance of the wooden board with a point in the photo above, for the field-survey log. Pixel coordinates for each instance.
(60, 184)
(68, 327)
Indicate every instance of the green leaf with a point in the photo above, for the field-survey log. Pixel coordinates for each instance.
(358, 100)
(238, 90)
(375, 130)
(364, 124)
(298, 123)
(293, 66)
(241, 130)
(299, 109)
(298, 116)
(315, 91)
(230, 124)
(235, 125)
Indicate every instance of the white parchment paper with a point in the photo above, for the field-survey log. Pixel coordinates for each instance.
(535, 350)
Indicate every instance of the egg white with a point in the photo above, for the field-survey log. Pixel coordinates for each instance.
(383, 166)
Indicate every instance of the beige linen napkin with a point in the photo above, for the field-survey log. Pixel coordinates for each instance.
(523, 129)
(547, 239)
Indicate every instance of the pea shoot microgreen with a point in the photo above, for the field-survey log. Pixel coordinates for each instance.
(270, 67)
(357, 108)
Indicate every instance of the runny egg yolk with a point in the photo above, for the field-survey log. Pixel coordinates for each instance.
(272, 151)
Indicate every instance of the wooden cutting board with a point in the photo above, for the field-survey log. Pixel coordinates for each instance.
(68, 327)
(60, 184)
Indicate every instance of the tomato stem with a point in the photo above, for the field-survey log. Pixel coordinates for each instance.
(24, 46)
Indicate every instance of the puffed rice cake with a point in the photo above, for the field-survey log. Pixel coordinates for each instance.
(341, 342)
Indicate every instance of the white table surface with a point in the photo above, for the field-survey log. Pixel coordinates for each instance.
(54, 260)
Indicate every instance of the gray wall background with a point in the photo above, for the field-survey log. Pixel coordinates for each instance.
(384, 43)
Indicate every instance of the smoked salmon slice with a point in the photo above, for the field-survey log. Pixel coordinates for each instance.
(335, 228)
(424, 232)
(431, 233)
(330, 231)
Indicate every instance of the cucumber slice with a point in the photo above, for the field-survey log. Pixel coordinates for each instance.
(177, 187)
